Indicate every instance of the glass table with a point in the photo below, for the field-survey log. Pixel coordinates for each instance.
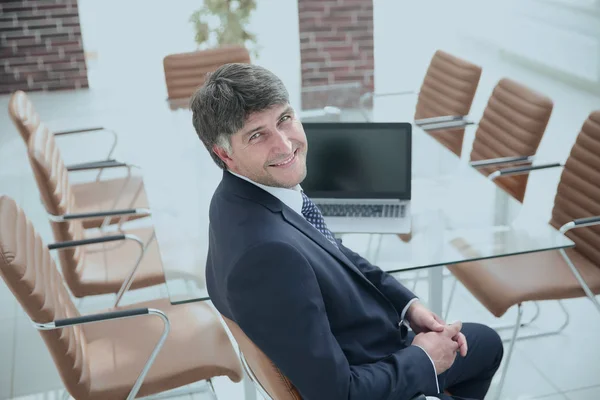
(458, 215)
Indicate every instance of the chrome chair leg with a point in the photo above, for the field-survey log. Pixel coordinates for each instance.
(511, 349)
(580, 279)
(523, 324)
(565, 323)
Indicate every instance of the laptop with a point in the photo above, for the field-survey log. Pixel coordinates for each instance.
(359, 175)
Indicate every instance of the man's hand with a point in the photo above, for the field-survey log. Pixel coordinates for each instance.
(440, 346)
(423, 320)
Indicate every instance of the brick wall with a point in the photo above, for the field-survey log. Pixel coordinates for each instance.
(41, 46)
(336, 50)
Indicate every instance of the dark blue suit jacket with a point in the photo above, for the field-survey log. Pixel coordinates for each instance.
(327, 318)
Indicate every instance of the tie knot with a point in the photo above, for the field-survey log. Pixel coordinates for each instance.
(308, 207)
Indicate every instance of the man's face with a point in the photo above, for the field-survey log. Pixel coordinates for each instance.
(270, 149)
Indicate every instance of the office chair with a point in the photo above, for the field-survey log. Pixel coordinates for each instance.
(117, 195)
(509, 132)
(24, 116)
(92, 262)
(141, 349)
(501, 283)
(444, 99)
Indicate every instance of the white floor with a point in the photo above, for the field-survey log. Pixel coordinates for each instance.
(553, 368)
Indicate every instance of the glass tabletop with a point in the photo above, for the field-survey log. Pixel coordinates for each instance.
(458, 215)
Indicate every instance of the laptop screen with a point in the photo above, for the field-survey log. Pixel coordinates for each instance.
(358, 160)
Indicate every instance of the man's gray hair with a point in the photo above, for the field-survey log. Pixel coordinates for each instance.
(228, 97)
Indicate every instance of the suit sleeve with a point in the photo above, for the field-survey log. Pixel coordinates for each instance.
(399, 295)
(275, 298)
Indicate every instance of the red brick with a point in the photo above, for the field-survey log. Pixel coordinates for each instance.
(16, 7)
(331, 34)
(304, 6)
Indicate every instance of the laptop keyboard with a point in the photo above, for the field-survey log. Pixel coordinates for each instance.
(363, 210)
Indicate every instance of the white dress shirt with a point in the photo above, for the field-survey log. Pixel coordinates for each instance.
(293, 199)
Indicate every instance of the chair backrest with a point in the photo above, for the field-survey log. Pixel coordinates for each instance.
(52, 180)
(448, 88)
(578, 192)
(185, 72)
(268, 375)
(30, 273)
(512, 124)
(23, 114)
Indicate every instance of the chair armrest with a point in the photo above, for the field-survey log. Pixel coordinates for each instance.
(86, 319)
(100, 214)
(112, 315)
(500, 161)
(112, 238)
(435, 120)
(86, 166)
(522, 170)
(83, 242)
(83, 130)
(461, 123)
(90, 130)
(580, 223)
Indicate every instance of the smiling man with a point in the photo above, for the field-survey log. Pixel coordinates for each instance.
(334, 324)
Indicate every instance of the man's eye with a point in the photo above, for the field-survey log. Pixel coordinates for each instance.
(285, 118)
(255, 136)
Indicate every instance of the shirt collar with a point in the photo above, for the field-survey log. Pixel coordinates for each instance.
(290, 197)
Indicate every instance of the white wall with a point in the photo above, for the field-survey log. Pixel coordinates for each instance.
(560, 37)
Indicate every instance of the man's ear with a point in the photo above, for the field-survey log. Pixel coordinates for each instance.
(222, 154)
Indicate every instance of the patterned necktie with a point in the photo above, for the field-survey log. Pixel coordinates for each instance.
(313, 215)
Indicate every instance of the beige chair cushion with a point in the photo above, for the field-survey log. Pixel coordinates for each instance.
(512, 124)
(107, 265)
(448, 88)
(197, 348)
(269, 376)
(500, 283)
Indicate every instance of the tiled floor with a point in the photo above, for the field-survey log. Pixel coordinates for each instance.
(553, 368)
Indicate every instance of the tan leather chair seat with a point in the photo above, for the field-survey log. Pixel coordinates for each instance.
(100, 196)
(107, 265)
(198, 349)
(500, 283)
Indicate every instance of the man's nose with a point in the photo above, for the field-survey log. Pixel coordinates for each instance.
(284, 144)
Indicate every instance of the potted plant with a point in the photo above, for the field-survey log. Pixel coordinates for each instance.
(220, 23)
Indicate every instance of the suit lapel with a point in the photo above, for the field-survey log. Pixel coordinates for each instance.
(305, 227)
(252, 192)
